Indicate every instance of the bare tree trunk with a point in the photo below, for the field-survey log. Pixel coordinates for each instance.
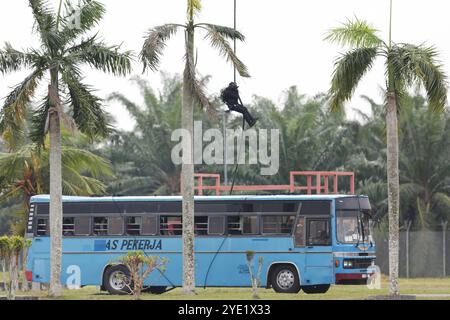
(187, 178)
(393, 191)
(55, 187)
(25, 283)
(3, 272)
(11, 294)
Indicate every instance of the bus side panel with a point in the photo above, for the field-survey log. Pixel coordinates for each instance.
(38, 260)
(219, 261)
(228, 266)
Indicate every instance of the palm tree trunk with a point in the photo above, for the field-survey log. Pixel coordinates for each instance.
(187, 177)
(393, 191)
(55, 188)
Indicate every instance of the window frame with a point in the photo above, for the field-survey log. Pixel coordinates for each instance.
(278, 224)
(93, 217)
(126, 223)
(161, 230)
(47, 226)
(308, 220)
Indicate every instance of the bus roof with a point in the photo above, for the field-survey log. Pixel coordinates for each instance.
(46, 198)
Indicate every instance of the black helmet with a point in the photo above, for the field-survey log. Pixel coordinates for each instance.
(233, 85)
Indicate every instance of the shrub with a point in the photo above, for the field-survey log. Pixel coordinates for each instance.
(140, 266)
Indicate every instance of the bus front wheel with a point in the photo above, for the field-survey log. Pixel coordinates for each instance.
(285, 279)
(320, 288)
(116, 280)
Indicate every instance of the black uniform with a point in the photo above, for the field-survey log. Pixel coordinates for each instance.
(230, 96)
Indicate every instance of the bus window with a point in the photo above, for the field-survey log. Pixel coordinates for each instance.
(318, 232)
(234, 225)
(216, 225)
(170, 226)
(82, 226)
(134, 226)
(277, 224)
(68, 227)
(201, 225)
(250, 224)
(100, 226)
(42, 227)
(299, 234)
(149, 225)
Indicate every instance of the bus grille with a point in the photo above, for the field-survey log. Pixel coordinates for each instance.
(361, 263)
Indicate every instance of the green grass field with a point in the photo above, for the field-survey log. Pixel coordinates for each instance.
(407, 287)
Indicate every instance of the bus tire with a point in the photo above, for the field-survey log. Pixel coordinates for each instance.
(156, 289)
(320, 288)
(114, 280)
(285, 279)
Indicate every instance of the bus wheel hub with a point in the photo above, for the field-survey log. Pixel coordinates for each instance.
(285, 279)
(117, 280)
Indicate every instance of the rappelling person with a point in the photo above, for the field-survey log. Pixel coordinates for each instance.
(230, 96)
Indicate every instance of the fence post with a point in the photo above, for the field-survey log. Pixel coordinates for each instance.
(444, 257)
(408, 226)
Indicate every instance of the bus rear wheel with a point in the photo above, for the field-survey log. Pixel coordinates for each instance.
(116, 280)
(320, 288)
(284, 279)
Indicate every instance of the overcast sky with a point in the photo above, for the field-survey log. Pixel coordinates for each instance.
(284, 41)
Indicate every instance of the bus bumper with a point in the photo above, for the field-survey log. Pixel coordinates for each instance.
(352, 278)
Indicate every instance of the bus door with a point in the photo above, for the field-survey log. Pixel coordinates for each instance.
(318, 254)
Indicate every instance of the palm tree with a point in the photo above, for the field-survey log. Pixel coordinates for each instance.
(142, 158)
(193, 93)
(61, 55)
(24, 172)
(406, 64)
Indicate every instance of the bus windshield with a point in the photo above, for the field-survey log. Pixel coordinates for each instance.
(353, 226)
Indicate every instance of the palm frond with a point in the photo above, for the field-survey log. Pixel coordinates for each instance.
(87, 109)
(43, 16)
(102, 57)
(12, 164)
(354, 33)
(154, 44)
(74, 183)
(417, 64)
(226, 32)
(86, 162)
(12, 59)
(39, 122)
(45, 24)
(78, 19)
(13, 113)
(215, 34)
(349, 69)
(196, 87)
(132, 108)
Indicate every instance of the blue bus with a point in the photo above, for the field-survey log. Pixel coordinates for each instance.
(307, 242)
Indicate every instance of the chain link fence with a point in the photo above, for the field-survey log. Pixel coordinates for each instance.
(422, 253)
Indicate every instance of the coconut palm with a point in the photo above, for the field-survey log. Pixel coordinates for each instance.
(406, 65)
(25, 172)
(61, 54)
(141, 158)
(193, 93)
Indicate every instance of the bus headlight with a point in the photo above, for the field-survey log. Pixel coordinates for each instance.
(348, 264)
